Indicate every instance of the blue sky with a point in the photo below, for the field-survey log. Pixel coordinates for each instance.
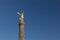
(42, 19)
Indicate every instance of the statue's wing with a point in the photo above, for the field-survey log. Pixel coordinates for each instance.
(18, 13)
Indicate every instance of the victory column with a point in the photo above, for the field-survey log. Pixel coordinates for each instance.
(21, 25)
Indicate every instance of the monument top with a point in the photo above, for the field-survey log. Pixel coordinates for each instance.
(21, 14)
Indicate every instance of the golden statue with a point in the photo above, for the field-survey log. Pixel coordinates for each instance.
(21, 15)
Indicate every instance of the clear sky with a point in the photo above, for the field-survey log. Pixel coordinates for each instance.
(42, 19)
